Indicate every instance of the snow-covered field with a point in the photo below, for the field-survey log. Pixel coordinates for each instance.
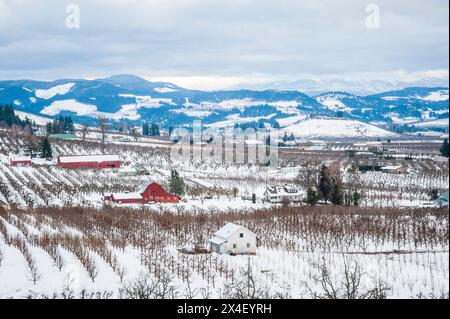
(57, 90)
(336, 128)
(61, 238)
(51, 252)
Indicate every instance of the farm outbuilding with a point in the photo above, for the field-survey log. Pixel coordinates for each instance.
(90, 161)
(63, 136)
(16, 160)
(397, 169)
(280, 194)
(148, 193)
(234, 239)
(133, 170)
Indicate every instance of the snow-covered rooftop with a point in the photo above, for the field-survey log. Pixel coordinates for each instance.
(121, 196)
(227, 230)
(19, 158)
(284, 190)
(392, 167)
(89, 158)
(217, 240)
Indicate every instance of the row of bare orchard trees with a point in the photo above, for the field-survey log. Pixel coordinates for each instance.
(87, 232)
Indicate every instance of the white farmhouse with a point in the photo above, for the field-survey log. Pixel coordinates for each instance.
(280, 194)
(233, 238)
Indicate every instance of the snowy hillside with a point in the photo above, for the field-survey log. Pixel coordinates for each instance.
(130, 98)
(336, 128)
(334, 101)
(57, 90)
(435, 123)
(38, 120)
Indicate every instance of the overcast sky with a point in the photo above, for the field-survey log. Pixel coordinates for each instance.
(212, 44)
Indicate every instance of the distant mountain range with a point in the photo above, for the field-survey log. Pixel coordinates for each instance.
(133, 99)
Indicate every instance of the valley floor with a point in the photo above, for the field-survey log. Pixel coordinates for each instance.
(59, 238)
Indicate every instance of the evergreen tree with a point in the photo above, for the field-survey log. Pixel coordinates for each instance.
(434, 194)
(254, 198)
(61, 125)
(8, 117)
(46, 149)
(325, 184)
(444, 148)
(49, 128)
(145, 129)
(176, 183)
(154, 130)
(68, 125)
(337, 196)
(356, 198)
(311, 196)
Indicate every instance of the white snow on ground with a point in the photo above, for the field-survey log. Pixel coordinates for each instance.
(284, 104)
(333, 103)
(393, 98)
(286, 107)
(437, 96)
(39, 120)
(290, 120)
(57, 90)
(396, 119)
(423, 269)
(193, 113)
(236, 119)
(74, 106)
(147, 101)
(17, 103)
(434, 123)
(128, 111)
(240, 104)
(165, 90)
(336, 128)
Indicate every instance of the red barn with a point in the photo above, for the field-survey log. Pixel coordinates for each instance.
(20, 161)
(152, 193)
(89, 161)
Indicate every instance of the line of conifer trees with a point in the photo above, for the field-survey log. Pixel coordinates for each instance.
(9, 118)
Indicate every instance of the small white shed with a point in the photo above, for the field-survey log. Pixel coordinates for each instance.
(233, 238)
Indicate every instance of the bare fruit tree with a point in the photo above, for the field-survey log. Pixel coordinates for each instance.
(102, 124)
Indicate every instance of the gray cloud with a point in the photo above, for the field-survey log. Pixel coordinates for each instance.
(230, 41)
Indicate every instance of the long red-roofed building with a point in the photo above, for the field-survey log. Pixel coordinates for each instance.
(151, 193)
(90, 161)
(20, 160)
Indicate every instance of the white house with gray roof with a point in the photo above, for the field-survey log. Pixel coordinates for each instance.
(280, 194)
(233, 238)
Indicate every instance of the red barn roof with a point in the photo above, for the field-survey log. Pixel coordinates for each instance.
(148, 193)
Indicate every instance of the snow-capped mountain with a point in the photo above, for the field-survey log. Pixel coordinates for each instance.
(130, 98)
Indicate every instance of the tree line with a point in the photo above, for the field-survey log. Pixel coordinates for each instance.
(330, 189)
(150, 129)
(8, 117)
(61, 125)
